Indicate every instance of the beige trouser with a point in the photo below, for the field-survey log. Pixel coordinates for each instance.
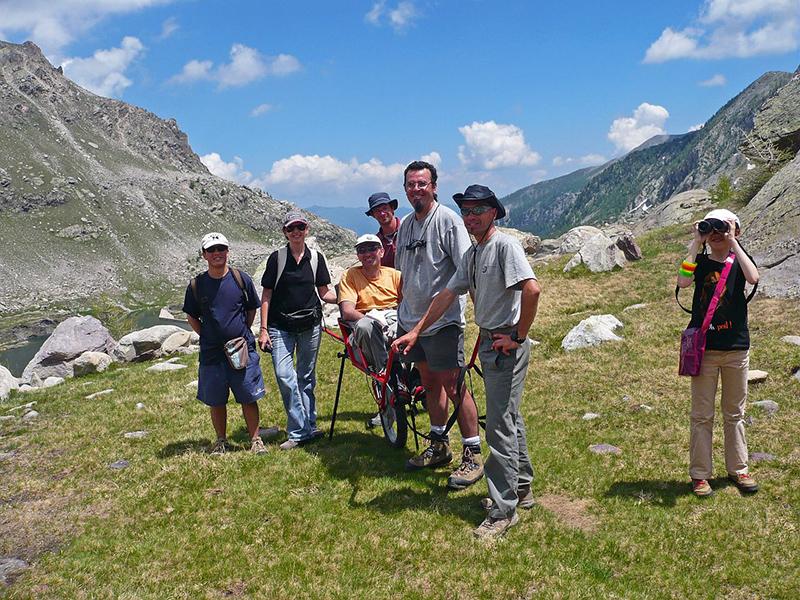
(732, 365)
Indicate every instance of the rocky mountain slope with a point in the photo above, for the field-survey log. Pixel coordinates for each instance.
(648, 175)
(101, 197)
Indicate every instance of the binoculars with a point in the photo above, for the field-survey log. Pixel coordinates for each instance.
(706, 226)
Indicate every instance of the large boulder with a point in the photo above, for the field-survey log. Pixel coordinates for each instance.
(144, 344)
(179, 342)
(575, 238)
(591, 332)
(530, 243)
(8, 383)
(69, 340)
(599, 253)
(91, 362)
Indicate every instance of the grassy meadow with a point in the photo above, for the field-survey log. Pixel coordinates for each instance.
(342, 519)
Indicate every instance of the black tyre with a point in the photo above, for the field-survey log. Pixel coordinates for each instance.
(393, 420)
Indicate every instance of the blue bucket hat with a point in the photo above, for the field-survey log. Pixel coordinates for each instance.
(380, 198)
(481, 193)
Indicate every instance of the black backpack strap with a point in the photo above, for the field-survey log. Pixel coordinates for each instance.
(240, 282)
(677, 289)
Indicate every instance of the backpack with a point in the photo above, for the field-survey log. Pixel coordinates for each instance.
(283, 254)
(236, 275)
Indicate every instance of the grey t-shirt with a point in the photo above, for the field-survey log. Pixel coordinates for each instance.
(494, 272)
(426, 270)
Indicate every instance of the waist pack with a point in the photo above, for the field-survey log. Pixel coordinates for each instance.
(302, 319)
(237, 353)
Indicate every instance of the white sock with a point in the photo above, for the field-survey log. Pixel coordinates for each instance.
(437, 429)
(471, 441)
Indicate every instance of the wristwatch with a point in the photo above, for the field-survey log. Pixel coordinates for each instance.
(516, 339)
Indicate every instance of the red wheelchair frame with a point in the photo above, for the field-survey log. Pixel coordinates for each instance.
(397, 408)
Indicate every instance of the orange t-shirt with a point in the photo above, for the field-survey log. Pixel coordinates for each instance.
(367, 294)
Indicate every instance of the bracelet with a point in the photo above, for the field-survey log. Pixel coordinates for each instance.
(688, 266)
(684, 273)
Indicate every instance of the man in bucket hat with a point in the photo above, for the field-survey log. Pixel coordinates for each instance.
(506, 296)
(381, 208)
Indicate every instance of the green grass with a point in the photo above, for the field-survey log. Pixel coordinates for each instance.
(342, 518)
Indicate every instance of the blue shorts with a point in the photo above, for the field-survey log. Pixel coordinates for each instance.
(215, 382)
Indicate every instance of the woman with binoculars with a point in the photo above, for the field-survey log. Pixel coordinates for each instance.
(727, 346)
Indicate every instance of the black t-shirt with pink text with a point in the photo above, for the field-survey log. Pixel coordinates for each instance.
(728, 330)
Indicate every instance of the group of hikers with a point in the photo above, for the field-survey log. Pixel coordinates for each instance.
(409, 293)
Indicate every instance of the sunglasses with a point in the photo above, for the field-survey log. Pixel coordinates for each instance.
(298, 226)
(367, 248)
(475, 210)
(218, 248)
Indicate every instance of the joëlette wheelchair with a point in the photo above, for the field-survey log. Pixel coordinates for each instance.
(400, 398)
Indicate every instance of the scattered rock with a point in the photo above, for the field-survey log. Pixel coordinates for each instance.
(22, 407)
(69, 340)
(757, 457)
(571, 242)
(140, 406)
(641, 408)
(590, 416)
(8, 383)
(7, 418)
(9, 567)
(634, 307)
(7, 455)
(119, 464)
(630, 249)
(599, 254)
(179, 339)
(791, 339)
(161, 367)
(25, 388)
(135, 435)
(98, 394)
(29, 416)
(144, 344)
(604, 449)
(591, 332)
(768, 406)
(165, 314)
(52, 381)
(756, 376)
(91, 362)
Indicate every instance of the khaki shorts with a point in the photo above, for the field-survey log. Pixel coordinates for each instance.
(442, 351)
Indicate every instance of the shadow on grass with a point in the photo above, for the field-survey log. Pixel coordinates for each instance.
(438, 499)
(655, 491)
(183, 447)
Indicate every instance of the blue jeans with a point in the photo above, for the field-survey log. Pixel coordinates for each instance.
(296, 384)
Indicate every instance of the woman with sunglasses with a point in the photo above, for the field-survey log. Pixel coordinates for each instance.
(294, 280)
(727, 354)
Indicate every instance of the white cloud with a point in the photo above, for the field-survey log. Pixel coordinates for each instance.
(628, 132)
(732, 28)
(588, 160)
(260, 110)
(104, 72)
(53, 25)
(168, 27)
(696, 127)
(399, 18)
(433, 158)
(232, 171)
(303, 172)
(246, 66)
(491, 145)
(714, 81)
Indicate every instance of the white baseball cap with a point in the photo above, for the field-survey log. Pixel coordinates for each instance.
(368, 238)
(723, 214)
(214, 239)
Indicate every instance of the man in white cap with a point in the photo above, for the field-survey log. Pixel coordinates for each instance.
(368, 296)
(220, 305)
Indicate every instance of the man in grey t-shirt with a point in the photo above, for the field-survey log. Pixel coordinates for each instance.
(506, 295)
(429, 245)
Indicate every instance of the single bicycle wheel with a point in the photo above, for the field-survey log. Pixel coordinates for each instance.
(393, 417)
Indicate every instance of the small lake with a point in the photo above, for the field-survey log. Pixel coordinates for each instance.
(17, 358)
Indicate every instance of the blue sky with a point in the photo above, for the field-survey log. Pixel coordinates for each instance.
(325, 102)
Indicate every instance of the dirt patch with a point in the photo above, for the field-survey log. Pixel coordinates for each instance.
(572, 513)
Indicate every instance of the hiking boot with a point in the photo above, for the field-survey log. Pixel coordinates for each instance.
(701, 488)
(290, 445)
(745, 483)
(438, 453)
(469, 471)
(492, 528)
(525, 500)
(221, 446)
(257, 446)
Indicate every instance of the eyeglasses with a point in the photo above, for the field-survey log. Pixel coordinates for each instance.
(293, 226)
(217, 249)
(414, 244)
(418, 185)
(475, 210)
(367, 248)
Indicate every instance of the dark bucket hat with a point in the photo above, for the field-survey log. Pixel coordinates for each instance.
(481, 193)
(380, 198)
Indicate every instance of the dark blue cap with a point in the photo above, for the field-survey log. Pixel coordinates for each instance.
(379, 198)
